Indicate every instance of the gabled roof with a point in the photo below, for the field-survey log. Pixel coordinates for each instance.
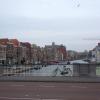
(4, 41)
(15, 42)
(26, 44)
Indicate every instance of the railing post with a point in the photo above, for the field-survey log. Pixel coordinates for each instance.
(76, 69)
(92, 70)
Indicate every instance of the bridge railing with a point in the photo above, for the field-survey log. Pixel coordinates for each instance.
(24, 72)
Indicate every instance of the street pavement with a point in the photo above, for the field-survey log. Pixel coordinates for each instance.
(66, 79)
(49, 91)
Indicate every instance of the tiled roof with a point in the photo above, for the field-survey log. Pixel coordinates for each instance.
(15, 42)
(4, 41)
(26, 44)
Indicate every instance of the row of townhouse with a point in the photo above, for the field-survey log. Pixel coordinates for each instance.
(14, 52)
(48, 53)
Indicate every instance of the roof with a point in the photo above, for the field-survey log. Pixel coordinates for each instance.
(26, 44)
(4, 41)
(15, 42)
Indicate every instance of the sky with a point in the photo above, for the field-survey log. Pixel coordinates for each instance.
(74, 23)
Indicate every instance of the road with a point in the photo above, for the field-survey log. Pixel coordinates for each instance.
(49, 91)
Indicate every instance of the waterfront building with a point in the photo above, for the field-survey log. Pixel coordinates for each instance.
(55, 52)
(16, 44)
(72, 55)
(24, 53)
(94, 54)
(9, 50)
(10, 53)
(2, 54)
(37, 53)
(26, 48)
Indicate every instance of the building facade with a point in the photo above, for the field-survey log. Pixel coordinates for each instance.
(2, 54)
(95, 54)
(16, 52)
(55, 52)
(26, 49)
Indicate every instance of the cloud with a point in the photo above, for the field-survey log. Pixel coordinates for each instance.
(44, 21)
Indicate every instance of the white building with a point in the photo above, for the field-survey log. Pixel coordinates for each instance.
(96, 54)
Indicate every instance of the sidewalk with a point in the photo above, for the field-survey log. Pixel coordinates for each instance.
(50, 79)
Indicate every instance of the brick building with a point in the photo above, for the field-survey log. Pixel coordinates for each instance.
(37, 54)
(16, 45)
(9, 50)
(2, 54)
(26, 47)
(55, 52)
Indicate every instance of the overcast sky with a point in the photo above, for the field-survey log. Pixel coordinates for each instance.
(74, 23)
